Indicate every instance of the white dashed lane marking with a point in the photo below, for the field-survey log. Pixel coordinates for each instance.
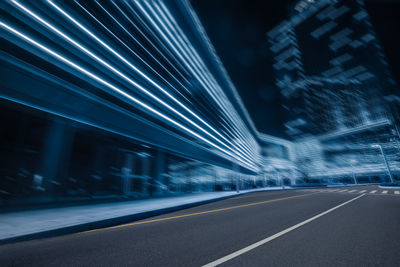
(355, 191)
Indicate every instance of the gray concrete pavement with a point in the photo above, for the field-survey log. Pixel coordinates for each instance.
(364, 232)
(31, 224)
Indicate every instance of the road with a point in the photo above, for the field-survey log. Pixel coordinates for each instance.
(309, 227)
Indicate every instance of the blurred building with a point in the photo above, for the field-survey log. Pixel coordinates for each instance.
(278, 166)
(336, 82)
(111, 99)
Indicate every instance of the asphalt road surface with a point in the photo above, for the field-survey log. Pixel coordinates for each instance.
(328, 227)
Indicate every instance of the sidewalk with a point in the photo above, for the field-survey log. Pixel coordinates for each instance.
(26, 225)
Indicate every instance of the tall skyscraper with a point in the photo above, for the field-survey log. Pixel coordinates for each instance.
(330, 67)
(331, 71)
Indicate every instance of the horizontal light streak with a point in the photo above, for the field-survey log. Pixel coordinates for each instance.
(153, 83)
(227, 113)
(115, 89)
(137, 55)
(171, 46)
(178, 36)
(243, 154)
(196, 70)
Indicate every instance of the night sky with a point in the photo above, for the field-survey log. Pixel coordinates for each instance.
(237, 29)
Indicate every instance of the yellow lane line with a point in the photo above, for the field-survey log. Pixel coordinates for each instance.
(197, 213)
(255, 194)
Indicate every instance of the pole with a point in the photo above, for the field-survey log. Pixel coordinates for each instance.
(354, 177)
(352, 172)
(386, 163)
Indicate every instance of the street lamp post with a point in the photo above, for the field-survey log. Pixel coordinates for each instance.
(352, 161)
(385, 160)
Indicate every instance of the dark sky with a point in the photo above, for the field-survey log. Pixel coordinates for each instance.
(385, 18)
(237, 29)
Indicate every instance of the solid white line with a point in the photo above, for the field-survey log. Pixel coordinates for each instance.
(397, 192)
(384, 192)
(363, 191)
(344, 190)
(266, 240)
(373, 192)
(352, 191)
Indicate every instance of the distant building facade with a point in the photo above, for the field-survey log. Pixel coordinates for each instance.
(330, 67)
(338, 90)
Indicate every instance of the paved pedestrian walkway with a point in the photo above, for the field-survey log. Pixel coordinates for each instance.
(30, 224)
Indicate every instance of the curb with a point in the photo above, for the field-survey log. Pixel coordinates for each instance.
(112, 221)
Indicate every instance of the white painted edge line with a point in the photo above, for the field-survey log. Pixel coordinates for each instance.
(266, 240)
